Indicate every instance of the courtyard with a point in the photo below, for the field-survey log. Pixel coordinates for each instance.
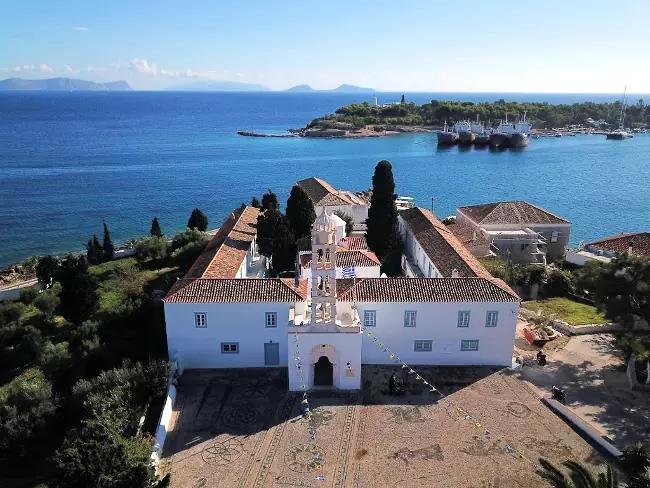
(241, 428)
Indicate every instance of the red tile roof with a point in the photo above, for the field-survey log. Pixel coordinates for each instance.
(467, 235)
(422, 290)
(521, 213)
(444, 249)
(234, 290)
(226, 251)
(640, 242)
(355, 243)
(321, 193)
(347, 258)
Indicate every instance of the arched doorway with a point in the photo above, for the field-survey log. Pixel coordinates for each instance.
(323, 372)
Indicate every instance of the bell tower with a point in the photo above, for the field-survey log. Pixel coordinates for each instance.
(323, 270)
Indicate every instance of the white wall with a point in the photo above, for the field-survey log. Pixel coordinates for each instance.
(360, 271)
(439, 322)
(413, 249)
(359, 213)
(346, 345)
(243, 323)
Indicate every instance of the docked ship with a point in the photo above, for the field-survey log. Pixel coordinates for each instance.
(521, 135)
(465, 134)
(481, 133)
(447, 137)
(620, 133)
(500, 137)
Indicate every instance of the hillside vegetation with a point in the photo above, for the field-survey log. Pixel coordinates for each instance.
(542, 115)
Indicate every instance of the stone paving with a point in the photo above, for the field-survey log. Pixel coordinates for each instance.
(242, 429)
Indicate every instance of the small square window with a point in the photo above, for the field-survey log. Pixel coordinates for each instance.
(471, 345)
(423, 346)
(491, 319)
(463, 318)
(271, 319)
(409, 318)
(229, 347)
(200, 320)
(369, 318)
(554, 236)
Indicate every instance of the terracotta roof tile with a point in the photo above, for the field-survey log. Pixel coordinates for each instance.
(234, 290)
(226, 251)
(321, 193)
(355, 243)
(467, 235)
(422, 290)
(519, 212)
(620, 243)
(347, 258)
(444, 249)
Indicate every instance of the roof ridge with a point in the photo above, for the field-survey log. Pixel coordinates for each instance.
(547, 211)
(498, 204)
(226, 237)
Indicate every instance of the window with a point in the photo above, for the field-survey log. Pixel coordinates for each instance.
(491, 319)
(409, 318)
(430, 270)
(200, 320)
(554, 236)
(471, 345)
(229, 347)
(271, 319)
(369, 318)
(423, 346)
(463, 319)
(523, 247)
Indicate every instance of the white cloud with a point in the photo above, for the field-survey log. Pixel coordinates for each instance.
(79, 28)
(143, 66)
(68, 70)
(28, 67)
(46, 69)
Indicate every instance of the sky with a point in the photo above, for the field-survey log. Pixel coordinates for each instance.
(570, 46)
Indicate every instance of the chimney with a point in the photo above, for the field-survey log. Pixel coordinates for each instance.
(630, 246)
(454, 273)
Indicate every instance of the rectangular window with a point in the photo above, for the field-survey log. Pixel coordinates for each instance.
(409, 318)
(229, 347)
(423, 346)
(491, 319)
(463, 318)
(554, 236)
(471, 345)
(200, 320)
(271, 319)
(369, 318)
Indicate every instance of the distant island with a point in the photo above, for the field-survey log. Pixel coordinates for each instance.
(341, 89)
(61, 84)
(367, 120)
(229, 86)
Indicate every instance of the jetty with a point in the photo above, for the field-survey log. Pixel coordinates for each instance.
(261, 134)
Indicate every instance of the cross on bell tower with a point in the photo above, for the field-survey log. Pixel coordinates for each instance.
(323, 270)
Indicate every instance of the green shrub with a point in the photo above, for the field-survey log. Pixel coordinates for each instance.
(11, 312)
(349, 223)
(28, 294)
(151, 248)
(558, 284)
(46, 302)
(182, 239)
(188, 253)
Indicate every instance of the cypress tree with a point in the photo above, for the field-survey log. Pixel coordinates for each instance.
(256, 203)
(270, 201)
(78, 297)
(155, 231)
(300, 212)
(198, 220)
(109, 250)
(94, 250)
(382, 232)
(403, 99)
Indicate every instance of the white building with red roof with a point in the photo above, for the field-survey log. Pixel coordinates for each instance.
(448, 310)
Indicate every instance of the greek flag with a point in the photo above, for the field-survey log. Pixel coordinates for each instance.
(348, 271)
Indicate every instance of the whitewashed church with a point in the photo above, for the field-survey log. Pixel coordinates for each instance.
(448, 310)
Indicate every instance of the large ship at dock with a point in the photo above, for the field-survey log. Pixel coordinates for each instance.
(465, 134)
(520, 136)
(500, 137)
(620, 133)
(481, 133)
(447, 137)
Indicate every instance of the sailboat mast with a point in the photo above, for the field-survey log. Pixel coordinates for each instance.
(621, 121)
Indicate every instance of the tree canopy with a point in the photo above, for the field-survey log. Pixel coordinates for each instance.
(270, 201)
(382, 232)
(109, 249)
(155, 231)
(78, 296)
(46, 270)
(300, 212)
(198, 220)
(276, 240)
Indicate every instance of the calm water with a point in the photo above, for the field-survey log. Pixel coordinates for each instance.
(69, 160)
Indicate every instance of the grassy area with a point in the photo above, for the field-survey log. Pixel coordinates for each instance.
(30, 375)
(573, 313)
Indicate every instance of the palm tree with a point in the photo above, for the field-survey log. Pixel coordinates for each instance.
(635, 466)
(579, 476)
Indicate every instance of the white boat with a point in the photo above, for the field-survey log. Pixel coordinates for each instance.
(520, 136)
(620, 133)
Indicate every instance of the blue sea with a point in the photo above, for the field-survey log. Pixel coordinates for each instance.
(69, 160)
